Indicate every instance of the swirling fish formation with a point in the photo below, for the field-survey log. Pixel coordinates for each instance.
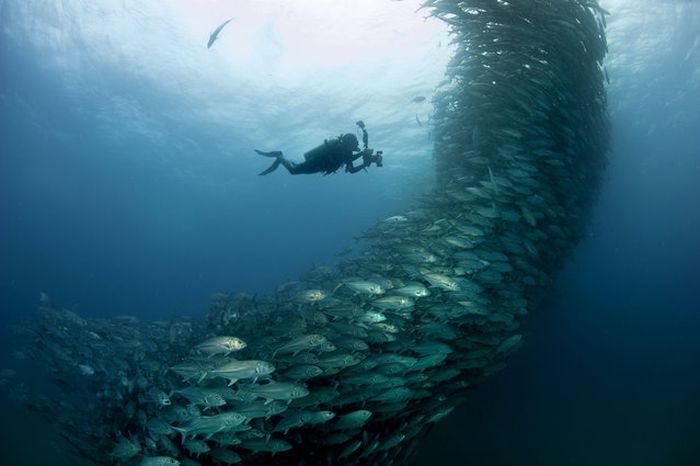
(353, 363)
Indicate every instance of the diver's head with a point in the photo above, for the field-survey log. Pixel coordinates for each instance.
(349, 140)
(360, 124)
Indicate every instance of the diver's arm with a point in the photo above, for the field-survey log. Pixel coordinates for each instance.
(350, 168)
(365, 137)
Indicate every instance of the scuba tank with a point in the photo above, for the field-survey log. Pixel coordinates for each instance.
(336, 149)
(321, 149)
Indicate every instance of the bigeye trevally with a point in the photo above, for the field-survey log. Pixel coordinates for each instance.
(214, 36)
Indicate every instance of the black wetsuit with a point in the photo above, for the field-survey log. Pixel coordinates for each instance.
(326, 158)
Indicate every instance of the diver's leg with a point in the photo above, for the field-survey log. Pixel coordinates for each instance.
(272, 167)
(307, 167)
(274, 153)
(293, 168)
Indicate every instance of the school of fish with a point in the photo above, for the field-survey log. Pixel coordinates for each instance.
(354, 363)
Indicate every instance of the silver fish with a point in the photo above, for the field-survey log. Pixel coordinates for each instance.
(285, 391)
(413, 291)
(234, 371)
(352, 420)
(302, 343)
(216, 33)
(220, 345)
(210, 425)
(272, 445)
(364, 286)
(159, 461)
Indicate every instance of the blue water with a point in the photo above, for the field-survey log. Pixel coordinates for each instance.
(128, 185)
(115, 199)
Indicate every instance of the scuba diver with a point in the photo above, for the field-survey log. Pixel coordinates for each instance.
(330, 156)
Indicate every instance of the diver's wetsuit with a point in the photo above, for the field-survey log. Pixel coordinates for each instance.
(328, 157)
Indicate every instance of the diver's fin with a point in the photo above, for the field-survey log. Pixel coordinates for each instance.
(274, 153)
(272, 167)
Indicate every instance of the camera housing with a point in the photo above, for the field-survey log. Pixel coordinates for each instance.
(378, 159)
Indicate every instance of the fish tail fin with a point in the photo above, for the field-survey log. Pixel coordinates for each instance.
(493, 180)
(182, 432)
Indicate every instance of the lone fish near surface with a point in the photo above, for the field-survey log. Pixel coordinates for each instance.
(216, 33)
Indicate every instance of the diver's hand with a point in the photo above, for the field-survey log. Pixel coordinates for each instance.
(367, 157)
